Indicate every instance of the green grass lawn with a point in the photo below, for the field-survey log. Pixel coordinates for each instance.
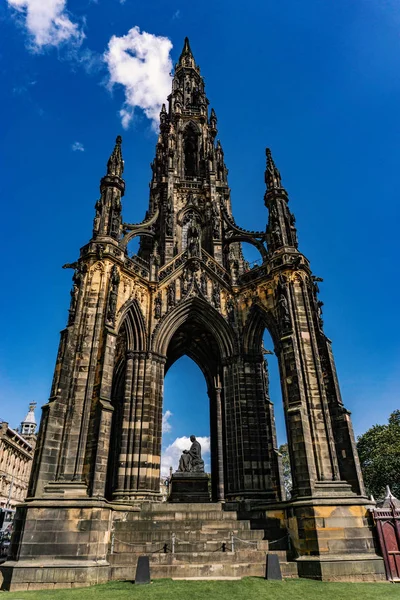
(250, 588)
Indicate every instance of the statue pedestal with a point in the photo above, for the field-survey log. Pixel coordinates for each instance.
(189, 487)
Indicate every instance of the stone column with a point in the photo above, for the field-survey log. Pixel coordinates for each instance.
(220, 444)
(140, 450)
(252, 469)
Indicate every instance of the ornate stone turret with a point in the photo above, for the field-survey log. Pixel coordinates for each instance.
(107, 222)
(28, 425)
(281, 229)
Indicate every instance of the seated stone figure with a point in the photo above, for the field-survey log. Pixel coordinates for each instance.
(191, 461)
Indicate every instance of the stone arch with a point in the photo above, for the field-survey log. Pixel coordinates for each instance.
(118, 385)
(187, 212)
(131, 317)
(203, 313)
(249, 240)
(195, 329)
(130, 342)
(135, 233)
(184, 218)
(259, 319)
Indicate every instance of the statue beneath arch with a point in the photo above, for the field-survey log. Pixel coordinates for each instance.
(190, 483)
(189, 291)
(191, 461)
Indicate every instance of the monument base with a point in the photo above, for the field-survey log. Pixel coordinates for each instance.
(189, 487)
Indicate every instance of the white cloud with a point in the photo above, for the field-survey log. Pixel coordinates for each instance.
(171, 455)
(141, 63)
(48, 22)
(166, 425)
(176, 15)
(77, 147)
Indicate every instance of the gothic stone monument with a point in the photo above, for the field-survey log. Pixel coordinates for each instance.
(189, 291)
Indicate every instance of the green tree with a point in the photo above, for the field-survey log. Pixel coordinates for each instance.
(379, 452)
(287, 473)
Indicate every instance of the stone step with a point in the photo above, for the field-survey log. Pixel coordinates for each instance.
(193, 525)
(214, 569)
(250, 556)
(187, 535)
(184, 570)
(289, 570)
(122, 548)
(181, 506)
(179, 515)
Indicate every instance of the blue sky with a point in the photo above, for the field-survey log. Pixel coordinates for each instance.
(316, 81)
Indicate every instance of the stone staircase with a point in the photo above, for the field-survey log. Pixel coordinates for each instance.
(190, 541)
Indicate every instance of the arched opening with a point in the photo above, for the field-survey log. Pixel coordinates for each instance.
(117, 395)
(275, 395)
(244, 460)
(128, 345)
(139, 245)
(133, 246)
(261, 331)
(190, 148)
(186, 411)
(251, 255)
(194, 341)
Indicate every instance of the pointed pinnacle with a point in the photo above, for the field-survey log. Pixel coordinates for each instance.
(115, 164)
(186, 46)
(272, 175)
(269, 157)
(186, 51)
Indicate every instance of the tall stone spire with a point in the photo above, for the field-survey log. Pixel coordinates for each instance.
(107, 222)
(281, 229)
(189, 183)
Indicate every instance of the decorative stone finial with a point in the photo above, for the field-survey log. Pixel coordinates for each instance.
(115, 165)
(186, 58)
(272, 175)
(390, 500)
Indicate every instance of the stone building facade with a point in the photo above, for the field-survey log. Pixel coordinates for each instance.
(16, 458)
(189, 291)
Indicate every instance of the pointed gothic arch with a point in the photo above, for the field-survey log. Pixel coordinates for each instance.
(202, 312)
(259, 319)
(131, 318)
(196, 330)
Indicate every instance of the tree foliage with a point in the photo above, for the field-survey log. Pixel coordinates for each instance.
(379, 452)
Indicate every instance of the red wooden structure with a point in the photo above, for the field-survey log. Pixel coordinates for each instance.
(387, 519)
